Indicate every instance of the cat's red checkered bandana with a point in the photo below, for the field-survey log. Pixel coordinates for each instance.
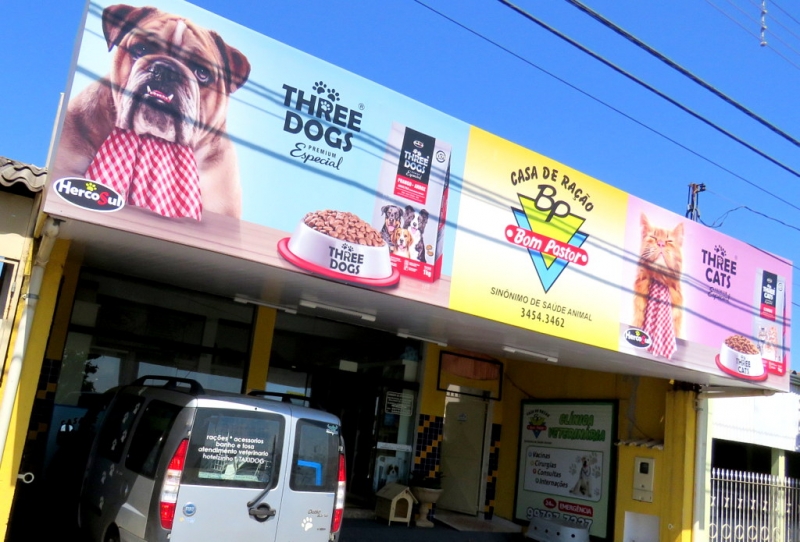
(149, 172)
(658, 321)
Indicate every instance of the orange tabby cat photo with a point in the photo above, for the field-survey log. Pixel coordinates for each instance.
(658, 298)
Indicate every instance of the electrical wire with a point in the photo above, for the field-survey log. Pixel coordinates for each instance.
(772, 34)
(683, 71)
(649, 87)
(710, 3)
(774, 3)
(756, 36)
(779, 23)
(609, 106)
(532, 64)
(721, 219)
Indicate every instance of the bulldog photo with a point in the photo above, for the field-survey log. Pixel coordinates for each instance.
(154, 129)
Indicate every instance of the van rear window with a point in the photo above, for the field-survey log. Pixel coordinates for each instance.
(150, 436)
(234, 448)
(117, 425)
(315, 465)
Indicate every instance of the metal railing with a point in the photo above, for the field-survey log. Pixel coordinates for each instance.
(752, 507)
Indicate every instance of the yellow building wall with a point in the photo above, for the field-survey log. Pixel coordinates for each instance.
(258, 368)
(431, 401)
(673, 486)
(648, 410)
(32, 365)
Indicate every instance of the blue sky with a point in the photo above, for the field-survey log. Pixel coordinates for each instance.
(486, 64)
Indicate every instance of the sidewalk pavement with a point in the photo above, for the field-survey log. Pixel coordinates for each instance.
(374, 530)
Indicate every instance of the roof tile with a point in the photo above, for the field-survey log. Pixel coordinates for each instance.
(12, 172)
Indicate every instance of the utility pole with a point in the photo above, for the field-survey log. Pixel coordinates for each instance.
(692, 210)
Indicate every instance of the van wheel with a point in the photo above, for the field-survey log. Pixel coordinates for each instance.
(112, 534)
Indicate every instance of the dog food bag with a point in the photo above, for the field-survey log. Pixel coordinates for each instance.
(768, 323)
(411, 204)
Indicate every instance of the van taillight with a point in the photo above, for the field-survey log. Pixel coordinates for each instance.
(172, 482)
(338, 511)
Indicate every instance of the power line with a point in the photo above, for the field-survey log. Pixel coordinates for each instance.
(752, 34)
(779, 23)
(721, 219)
(710, 3)
(648, 87)
(773, 34)
(532, 64)
(785, 12)
(609, 106)
(683, 71)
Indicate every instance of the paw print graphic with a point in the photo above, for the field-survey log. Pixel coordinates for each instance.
(307, 524)
(325, 106)
(91, 187)
(333, 95)
(320, 87)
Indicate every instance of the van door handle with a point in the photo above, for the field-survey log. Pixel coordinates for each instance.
(262, 512)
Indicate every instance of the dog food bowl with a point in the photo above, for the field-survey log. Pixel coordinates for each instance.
(343, 259)
(739, 357)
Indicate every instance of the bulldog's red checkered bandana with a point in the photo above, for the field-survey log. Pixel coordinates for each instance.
(149, 172)
(658, 321)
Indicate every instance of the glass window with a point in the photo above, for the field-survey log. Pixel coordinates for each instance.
(150, 436)
(117, 426)
(234, 448)
(7, 304)
(121, 329)
(315, 464)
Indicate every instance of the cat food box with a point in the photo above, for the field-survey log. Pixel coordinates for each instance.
(411, 204)
(768, 322)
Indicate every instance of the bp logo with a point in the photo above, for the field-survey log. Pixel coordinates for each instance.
(91, 195)
(537, 422)
(548, 228)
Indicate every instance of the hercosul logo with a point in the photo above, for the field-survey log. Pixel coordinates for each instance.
(638, 338)
(88, 194)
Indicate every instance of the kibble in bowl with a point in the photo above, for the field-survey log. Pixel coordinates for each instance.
(341, 243)
(741, 357)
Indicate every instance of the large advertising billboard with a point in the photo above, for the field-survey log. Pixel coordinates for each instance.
(186, 127)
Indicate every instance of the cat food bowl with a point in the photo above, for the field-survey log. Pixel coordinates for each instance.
(740, 357)
(340, 245)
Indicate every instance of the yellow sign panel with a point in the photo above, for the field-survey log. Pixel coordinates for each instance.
(538, 244)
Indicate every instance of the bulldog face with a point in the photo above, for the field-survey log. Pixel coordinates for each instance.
(170, 78)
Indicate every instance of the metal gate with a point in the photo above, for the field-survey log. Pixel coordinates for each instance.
(747, 506)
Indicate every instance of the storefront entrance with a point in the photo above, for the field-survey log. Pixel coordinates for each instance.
(377, 424)
(368, 379)
(121, 329)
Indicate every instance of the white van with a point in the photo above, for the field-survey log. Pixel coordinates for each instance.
(174, 462)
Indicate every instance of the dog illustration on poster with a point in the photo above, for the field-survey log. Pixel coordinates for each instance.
(155, 128)
(586, 470)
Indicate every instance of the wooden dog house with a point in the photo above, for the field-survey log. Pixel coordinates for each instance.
(395, 502)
